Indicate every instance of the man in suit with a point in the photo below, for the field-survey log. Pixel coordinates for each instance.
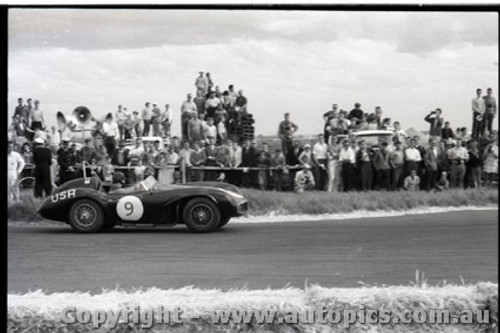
(431, 157)
(42, 158)
(382, 167)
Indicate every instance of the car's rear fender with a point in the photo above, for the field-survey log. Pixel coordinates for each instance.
(57, 206)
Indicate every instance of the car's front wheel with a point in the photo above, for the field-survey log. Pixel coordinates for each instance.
(223, 222)
(201, 215)
(86, 216)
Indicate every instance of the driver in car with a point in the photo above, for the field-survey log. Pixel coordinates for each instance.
(149, 183)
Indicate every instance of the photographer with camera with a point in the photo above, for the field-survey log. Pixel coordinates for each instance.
(304, 180)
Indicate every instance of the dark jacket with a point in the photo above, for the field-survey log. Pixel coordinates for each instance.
(292, 157)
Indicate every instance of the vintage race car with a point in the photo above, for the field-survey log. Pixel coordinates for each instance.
(85, 204)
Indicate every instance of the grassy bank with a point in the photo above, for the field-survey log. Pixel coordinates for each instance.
(40, 312)
(287, 203)
(265, 202)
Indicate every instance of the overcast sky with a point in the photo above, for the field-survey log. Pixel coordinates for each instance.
(285, 61)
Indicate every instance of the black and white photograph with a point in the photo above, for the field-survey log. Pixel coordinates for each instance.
(252, 168)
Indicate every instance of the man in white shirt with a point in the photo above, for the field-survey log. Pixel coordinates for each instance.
(458, 156)
(347, 158)
(412, 157)
(478, 108)
(319, 158)
(54, 140)
(111, 132)
(15, 165)
(210, 130)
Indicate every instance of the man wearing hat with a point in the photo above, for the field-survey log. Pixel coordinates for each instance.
(304, 179)
(65, 161)
(42, 158)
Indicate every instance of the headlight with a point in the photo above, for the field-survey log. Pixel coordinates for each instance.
(234, 195)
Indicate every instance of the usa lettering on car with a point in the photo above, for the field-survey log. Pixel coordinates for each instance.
(63, 195)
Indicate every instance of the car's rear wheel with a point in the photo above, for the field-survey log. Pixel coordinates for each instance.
(201, 215)
(86, 216)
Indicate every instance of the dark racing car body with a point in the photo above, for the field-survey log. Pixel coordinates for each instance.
(88, 207)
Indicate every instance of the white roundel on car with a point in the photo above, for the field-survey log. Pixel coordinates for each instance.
(130, 208)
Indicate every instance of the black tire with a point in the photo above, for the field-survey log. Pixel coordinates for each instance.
(223, 222)
(201, 215)
(86, 216)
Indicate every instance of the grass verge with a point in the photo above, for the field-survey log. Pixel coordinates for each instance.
(287, 203)
(41, 312)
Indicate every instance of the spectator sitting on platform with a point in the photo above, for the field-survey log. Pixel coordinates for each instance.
(121, 157)
(173, 157)
(223, 157)
(198, 158)
(107, 170)
(412, 182)
(136, 154)
(235, 154)
(304, 180)
(88, 152)
(185, 154)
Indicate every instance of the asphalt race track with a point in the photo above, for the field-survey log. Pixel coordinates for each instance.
(375, 251)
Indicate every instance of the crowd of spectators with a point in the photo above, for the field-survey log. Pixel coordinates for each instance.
(210, 150)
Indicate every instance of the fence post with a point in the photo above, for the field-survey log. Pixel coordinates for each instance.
(183, 170)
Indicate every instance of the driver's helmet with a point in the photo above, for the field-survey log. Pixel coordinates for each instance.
(118, 177)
